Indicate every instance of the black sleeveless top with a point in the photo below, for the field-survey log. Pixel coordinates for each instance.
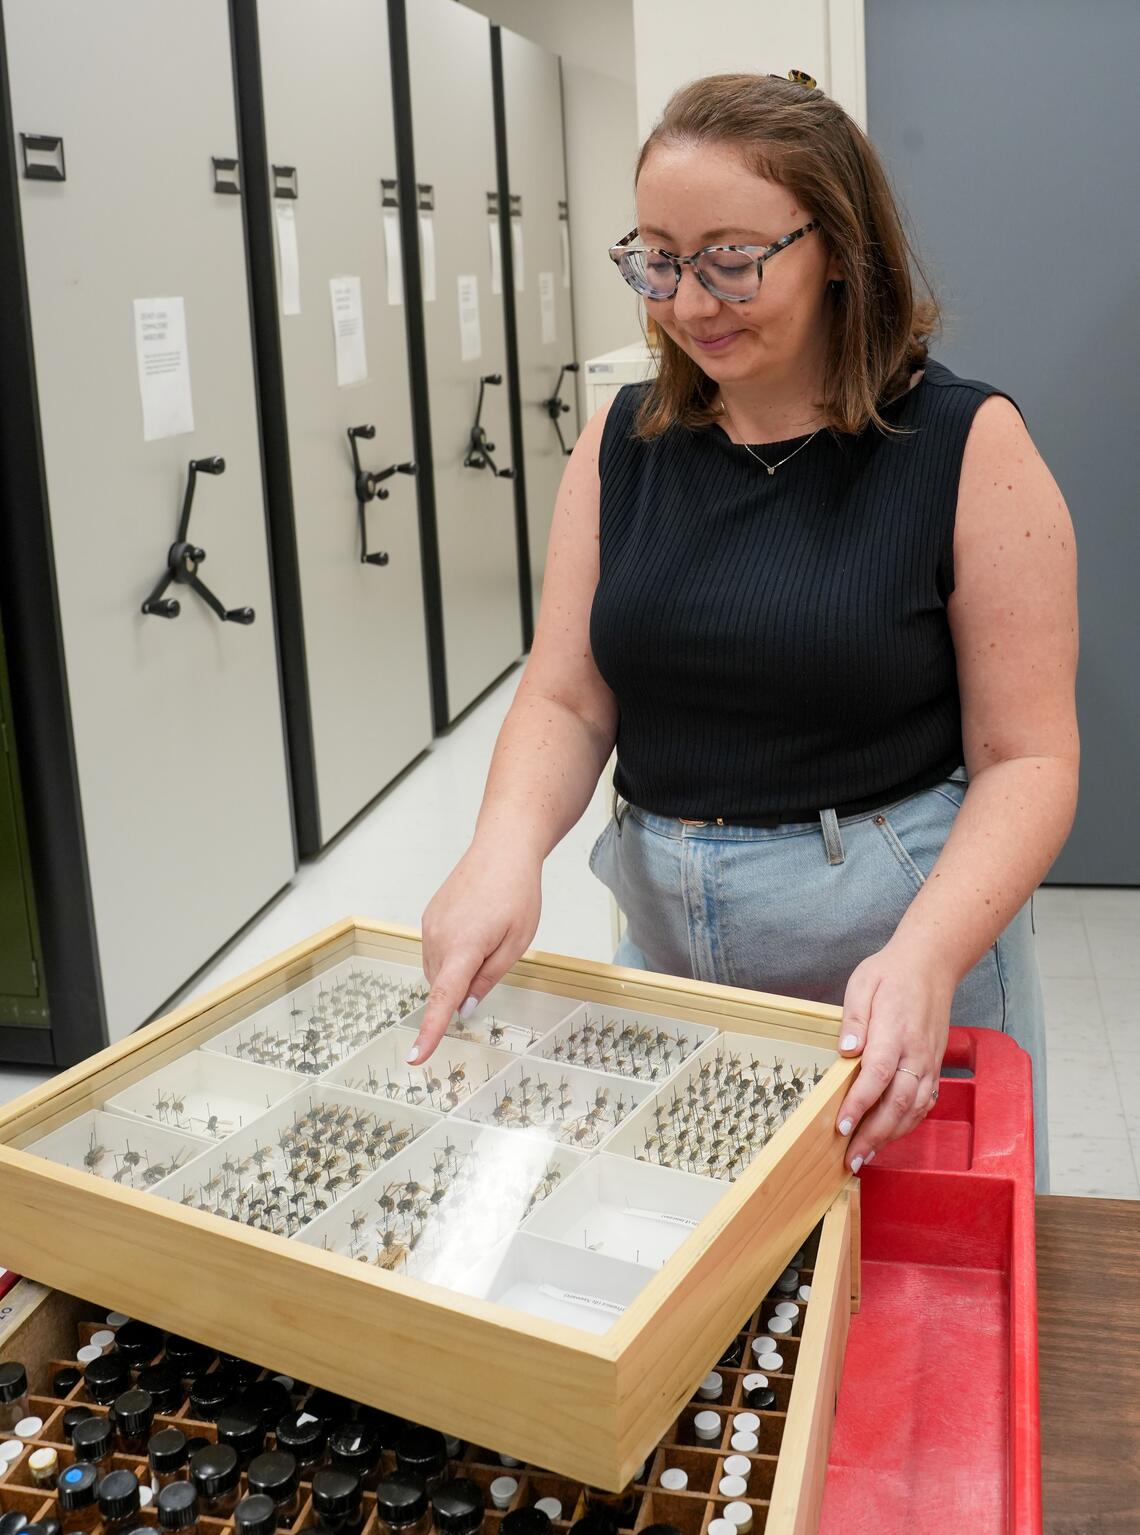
(778, 644)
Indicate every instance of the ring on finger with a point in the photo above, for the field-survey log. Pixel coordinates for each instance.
(917, 1075)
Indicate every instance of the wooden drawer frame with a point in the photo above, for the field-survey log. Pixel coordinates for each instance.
(587, 1406)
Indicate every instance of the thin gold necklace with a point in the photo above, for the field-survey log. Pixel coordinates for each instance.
(771, 468)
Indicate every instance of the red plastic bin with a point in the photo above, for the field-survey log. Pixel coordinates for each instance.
(938, 1426)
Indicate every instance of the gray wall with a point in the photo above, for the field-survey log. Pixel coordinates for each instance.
(1010, 129)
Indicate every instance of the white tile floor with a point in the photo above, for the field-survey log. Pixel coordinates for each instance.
(391, 861)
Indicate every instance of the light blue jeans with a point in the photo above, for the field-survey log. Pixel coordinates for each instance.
(793, 909)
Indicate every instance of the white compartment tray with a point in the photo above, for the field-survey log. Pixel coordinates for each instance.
(547, 1279)
(130, 1152)
(511, 1018)
(454, 1071)
(623, 1043)
(205, 1096)
(580, 1108)
(454, 1196)
(625, 1209)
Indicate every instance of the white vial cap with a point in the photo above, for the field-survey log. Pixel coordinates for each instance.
(503, 1489)
(738, 1465)
(673, 1479)
(40, 1460)
(751, 1382)
(103, 1337)
(88, 1352)
(746, 1423)
(10, 1450)
(28, 1428)
(707, 1425)
(787, 1308)
(733, 1486)
(711, 1387)
(762, 1345)
(452, 1445)
(146, 1495)
(639, 1474)
(804, 1292)
(721, 1527)
(551, 1507)
(285, 1380)
(780, 1326)
(117, 1318)
(746, 1443)
(739, 1515)
(773, 1362)
(509, 1460)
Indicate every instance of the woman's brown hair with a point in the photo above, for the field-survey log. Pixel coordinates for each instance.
(801, 138)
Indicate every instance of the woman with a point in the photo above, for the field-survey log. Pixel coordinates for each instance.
(821, 593)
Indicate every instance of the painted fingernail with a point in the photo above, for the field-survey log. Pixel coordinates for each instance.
(870, 1157)
(414, 1053)
(856, 1164)
(849, 1041)
(468, 1008)
(845, 1127)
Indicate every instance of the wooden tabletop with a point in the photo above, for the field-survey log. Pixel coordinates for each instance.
(1088, 1299)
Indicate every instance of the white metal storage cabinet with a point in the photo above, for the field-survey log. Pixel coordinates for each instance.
(319, 150)
(449, 191)
(122, 146)
(533, 158)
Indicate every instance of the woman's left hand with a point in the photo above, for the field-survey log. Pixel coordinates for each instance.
(896, 1013)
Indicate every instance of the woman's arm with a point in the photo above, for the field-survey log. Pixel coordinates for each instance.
(551, 750)
(1013, 616)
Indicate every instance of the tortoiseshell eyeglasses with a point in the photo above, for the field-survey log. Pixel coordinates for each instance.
(731, 273)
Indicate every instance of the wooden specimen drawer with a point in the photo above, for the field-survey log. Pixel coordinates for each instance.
(539, 1241)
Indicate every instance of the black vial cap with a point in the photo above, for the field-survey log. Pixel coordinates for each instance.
(48, 1525)
(13, 1381)
(256, 1514)
(118, 1494)
(244, 1431)
(243, 1370)
(168, 1450)
(761, 1396)
(12, 1523)
(215, 1470)
(421, 1452)
(76, 1487)
(458, 1506)
(386, 1424)
(93, 1438)
(354, 1447)
(133, 1412)
(73, 1416)
(267, 1400)
(210, 1394)
(336, 1494)
(164, 1384)
(327, 1405)
(660, 1529)
(305, 1440)
(138, 1342)
(66, 1380)
(275, 1474)
(106, 1377)
(177, 1505)
(400, 1500)
(592, 1524)
(733, 1354)
(527, 1521)
(188, 1357)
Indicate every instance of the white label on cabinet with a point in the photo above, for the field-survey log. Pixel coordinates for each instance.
(348, 330)
(427, 248)
(494, 236)
(546, 303)
(392, 258)
(288, 260)
(564, 236)
(470, 339)
(517, 253)
(163, 367)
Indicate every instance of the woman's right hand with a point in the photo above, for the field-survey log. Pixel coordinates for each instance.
(475, 927)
